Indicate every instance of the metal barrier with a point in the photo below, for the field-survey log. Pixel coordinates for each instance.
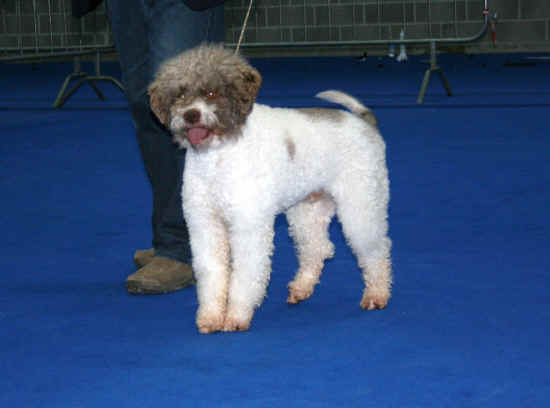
(42, 30)
(375, 22)
(39, 30)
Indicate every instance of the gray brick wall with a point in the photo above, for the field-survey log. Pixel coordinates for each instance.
(523, 25)
(44, 25)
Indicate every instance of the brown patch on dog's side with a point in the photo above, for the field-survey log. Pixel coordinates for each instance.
(291, 148)
(315, 196)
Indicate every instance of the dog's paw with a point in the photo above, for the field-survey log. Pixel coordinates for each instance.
(233, 324)
(210, 323)
(296, 295)
(373, 301)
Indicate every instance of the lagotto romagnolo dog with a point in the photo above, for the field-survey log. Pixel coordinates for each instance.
(247, 162)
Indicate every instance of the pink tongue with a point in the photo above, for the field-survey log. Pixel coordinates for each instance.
(196, 135)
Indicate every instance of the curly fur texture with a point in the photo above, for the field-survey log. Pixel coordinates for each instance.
(210, 74)
(247, 162)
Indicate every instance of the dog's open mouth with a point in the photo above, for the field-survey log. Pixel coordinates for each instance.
(198, 135)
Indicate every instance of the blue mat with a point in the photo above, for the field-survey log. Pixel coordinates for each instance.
(469, 321)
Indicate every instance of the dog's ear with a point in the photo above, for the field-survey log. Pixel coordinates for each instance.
(252, 81)
(159, 101)
(249, 85)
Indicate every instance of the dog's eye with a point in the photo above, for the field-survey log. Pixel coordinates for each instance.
(181, 91)
(211, 94)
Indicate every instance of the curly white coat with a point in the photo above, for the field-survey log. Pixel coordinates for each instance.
(309, 163)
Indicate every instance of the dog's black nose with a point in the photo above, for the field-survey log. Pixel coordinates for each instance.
(192, 116)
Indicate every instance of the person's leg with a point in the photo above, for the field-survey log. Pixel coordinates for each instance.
(146, 33)
(174, 28)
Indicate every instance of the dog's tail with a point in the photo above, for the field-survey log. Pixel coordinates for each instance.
(351, 103)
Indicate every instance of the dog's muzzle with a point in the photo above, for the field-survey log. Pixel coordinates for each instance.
(192, 116)
(196, 121)
(195, 131)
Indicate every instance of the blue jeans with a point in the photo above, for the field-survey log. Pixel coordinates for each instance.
(147, 32)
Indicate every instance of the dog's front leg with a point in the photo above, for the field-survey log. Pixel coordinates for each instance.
(211, 266)
(251, 248)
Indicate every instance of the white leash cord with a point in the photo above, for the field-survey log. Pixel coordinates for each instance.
(245, 22)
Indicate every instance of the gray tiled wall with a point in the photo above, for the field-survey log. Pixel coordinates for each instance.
(48, 24)
(523, 25)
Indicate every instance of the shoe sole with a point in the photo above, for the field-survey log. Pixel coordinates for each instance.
(135, 288)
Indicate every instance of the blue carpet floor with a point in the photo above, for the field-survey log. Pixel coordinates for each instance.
(469, 321)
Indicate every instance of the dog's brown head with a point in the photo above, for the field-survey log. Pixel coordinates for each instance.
(204, 95)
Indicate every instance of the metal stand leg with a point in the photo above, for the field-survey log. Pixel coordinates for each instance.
(64, 95)
(433, 68)
(424, 86)
(445, 83)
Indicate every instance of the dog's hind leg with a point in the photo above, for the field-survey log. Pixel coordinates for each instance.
(362, 202)
(308, 225)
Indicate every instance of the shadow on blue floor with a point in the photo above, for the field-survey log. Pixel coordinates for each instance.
(468, 324)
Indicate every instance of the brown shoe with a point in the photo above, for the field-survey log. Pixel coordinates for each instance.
(143, 256)
(161, 275)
